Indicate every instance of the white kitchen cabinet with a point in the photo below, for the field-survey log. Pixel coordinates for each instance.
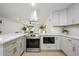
(73, 14)
(55, 18)
(52, 46)
(24, 43)
(14, 47)
(77, 47)
(63, 17)
(60, 17)
(20, 45)
(76, 13)
(58, 40)
(64, 45)
(47, 46)
(70, 15)
(68, 46)
(10, 48)
(1, 50)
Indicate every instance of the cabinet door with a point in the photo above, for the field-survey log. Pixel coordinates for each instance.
(77, 48)
(56, 18)
(10, 48)
(63, 17)
(68, 47)
(73, 14)
(76, 13)
(58, 40)
(23, 41)
(1, 50)
(70, 15)
(21, 45)
(12, 51)
(64, 45)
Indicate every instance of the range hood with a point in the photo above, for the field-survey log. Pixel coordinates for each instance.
(34, 17)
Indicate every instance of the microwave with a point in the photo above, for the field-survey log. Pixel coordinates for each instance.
(48, 40)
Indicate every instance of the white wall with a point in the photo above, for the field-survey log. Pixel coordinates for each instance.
(9, 26)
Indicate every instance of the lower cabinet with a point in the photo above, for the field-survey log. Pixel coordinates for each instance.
(77, 47)
(58, 41)
(68, 46)
(1, 50)
(20, 45)
(14, 47)
(10, 48)
(47, 45)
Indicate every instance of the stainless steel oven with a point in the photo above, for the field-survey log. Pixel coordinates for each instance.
(32, 44)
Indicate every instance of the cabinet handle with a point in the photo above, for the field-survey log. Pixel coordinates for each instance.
(73, 48)
(69, 39)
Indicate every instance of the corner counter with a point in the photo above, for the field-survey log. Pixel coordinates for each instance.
(12, 44)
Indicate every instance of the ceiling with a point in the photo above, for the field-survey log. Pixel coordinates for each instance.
(23, 10)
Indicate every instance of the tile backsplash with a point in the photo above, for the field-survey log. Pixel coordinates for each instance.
(73, 30)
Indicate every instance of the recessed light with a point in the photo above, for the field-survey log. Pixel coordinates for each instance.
(33, 4)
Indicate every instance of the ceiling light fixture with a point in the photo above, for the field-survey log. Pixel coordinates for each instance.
(33, 4)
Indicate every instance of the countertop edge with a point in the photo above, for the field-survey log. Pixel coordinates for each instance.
(19, 35)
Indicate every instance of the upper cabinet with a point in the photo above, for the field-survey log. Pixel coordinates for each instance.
(63, 17)
(60, 17)
(56, 18)
(68, 16)
(73, 14)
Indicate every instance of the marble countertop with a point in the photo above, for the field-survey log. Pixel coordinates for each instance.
(9, 37)
(49, 34)
(59, 34)
(70, 36)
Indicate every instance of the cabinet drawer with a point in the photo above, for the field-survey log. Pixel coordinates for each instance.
(48, 47)
(77, 41)
(10, 43)
(71, 41)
